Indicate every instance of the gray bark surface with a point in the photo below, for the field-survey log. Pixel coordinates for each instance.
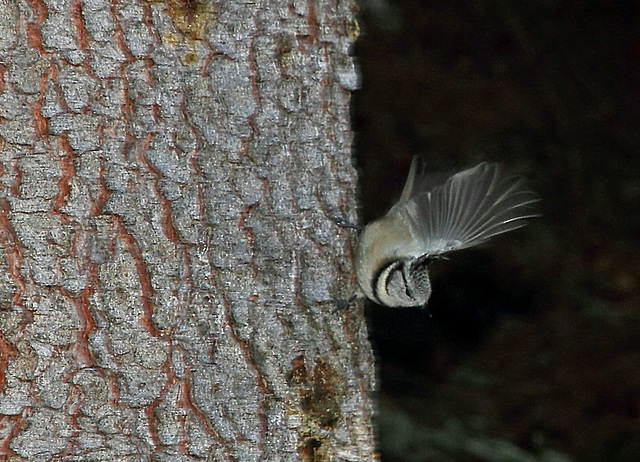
(168, 270)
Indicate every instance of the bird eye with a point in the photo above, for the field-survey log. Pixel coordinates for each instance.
(408, 289)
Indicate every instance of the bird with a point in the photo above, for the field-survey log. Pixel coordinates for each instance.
(431, 219)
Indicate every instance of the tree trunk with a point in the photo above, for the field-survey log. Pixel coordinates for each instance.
(169, 269)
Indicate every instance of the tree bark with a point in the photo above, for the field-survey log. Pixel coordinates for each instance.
(168, 267)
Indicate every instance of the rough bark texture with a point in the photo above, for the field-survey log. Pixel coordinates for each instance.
(168, 269)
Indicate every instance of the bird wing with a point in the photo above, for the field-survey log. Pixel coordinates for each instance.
(469, 208)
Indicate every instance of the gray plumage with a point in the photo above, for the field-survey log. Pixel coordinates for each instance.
(431, 219)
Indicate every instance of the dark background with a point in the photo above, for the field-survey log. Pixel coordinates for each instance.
(530, 347)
